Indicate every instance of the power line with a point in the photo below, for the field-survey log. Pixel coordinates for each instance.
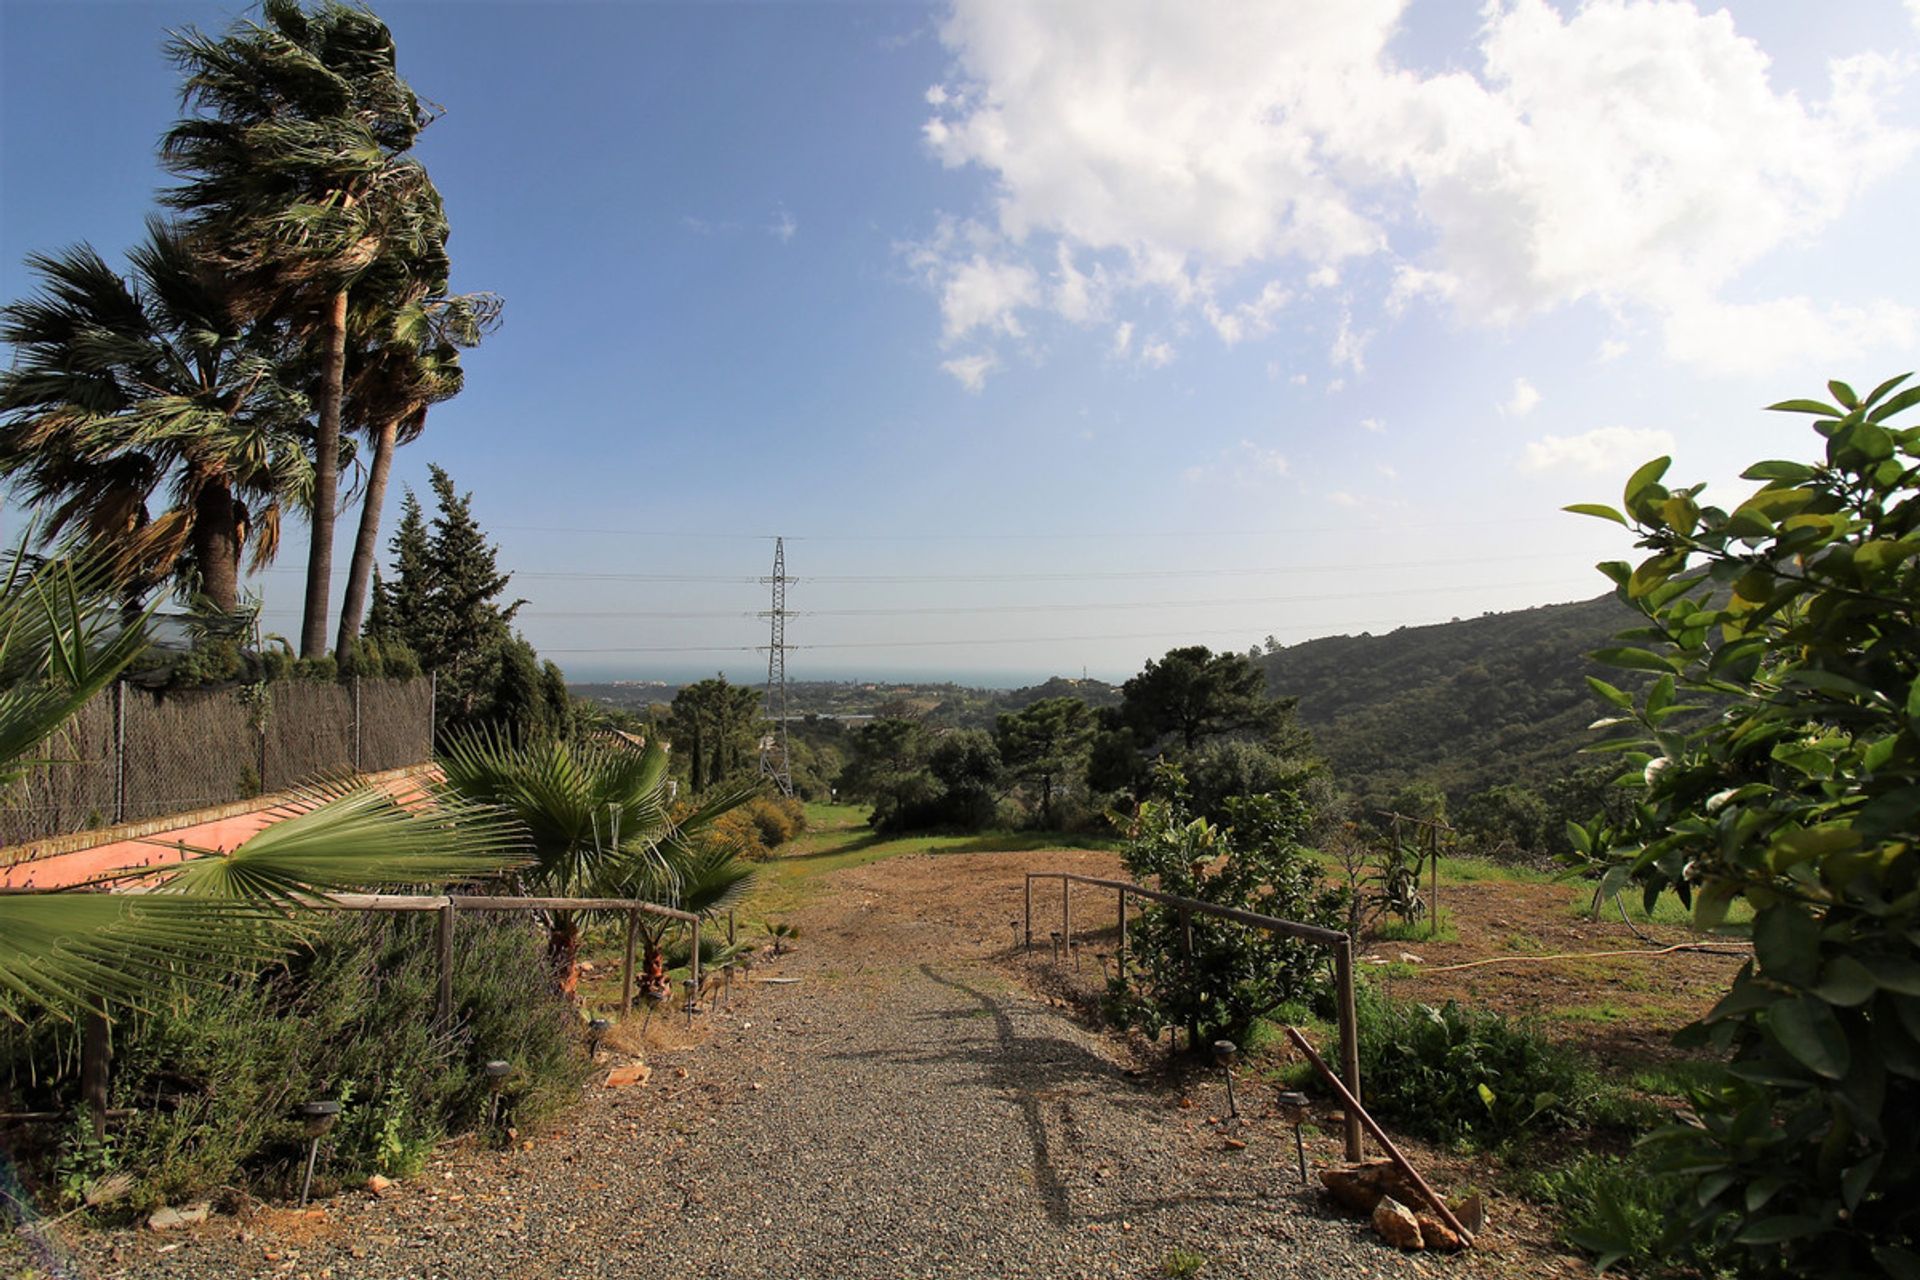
(1118, 575)
(1100, 606)
(1079, 535)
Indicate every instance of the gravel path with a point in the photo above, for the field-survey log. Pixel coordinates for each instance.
(903, 1109)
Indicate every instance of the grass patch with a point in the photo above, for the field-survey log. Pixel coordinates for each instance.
(1184, 1262)
(1667, 910)
(1419, 930)
(1466, 870)
(1677, 1078)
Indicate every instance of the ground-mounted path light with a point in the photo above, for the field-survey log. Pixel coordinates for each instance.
(320, 1116)
(1293, 1109)
(686, 985)
(1055, 936)
(1102, 957)
(726, 984)
(1014, 925)
(497, 1073)
(1224, 1052)
(597, 1029)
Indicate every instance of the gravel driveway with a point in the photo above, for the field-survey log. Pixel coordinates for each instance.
(904, 1109)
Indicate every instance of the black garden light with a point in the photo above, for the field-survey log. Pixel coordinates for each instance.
(726, 983)
(1055, 935)
(687, 985)
(597, 1029)
(319, 1117)
(1224, 1052)
(1014, 925)
(1293, 1108)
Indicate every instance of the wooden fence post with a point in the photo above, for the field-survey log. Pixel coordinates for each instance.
(119, 750)
(1029, 913)
(1193, 1005)
(1066, 916)
(445, 948)
(694, 972)
(1349, 1018)
(356, 725)
(96, 1053)
(626, 974)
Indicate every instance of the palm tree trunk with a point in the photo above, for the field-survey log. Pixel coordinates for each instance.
(360, 571)
(216, 545)
(326, 481)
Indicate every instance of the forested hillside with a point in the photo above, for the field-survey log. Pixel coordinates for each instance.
(1463, 705)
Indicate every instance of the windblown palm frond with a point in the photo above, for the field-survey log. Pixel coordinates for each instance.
(72, 952)
(333, 839)
(61, 642)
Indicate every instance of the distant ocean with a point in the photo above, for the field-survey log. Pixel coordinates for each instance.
(738, 674)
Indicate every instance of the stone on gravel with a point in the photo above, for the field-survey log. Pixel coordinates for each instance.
(1360, 1187)
(1472, 1212)
(1437, 1234)
(621, 1077)
(1397, 1225)
(185, 1215)
(382, 1186)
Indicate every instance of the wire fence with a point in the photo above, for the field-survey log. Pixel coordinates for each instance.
(132, 754)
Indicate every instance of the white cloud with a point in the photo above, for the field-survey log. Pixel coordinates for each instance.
(1246, 466)
(1612, 349)
(1249, 318)
(1349, 345)
(1341, 498)
(980, 293)
(1785, 333)
(1632, 153)
(1524, 400)
(1298, 379)
(1122, 340)
(1388, 470)
(971, 371)
(1374, 425)
(1602, 450)
(783, 227)
(1157, 354)
(936, 95)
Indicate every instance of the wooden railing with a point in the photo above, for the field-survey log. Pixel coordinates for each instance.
(1341, 944)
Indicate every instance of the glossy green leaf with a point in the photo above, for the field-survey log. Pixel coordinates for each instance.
(1905, 400)
(1806, 1028)
(1632, 659)
(1775, 469)
(1601, 510)
(1647, 475)
(1844, 394)
(1805, 406)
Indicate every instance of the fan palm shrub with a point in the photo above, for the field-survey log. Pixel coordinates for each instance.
(598, 815)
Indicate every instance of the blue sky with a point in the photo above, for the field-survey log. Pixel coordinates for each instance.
(1051, 336)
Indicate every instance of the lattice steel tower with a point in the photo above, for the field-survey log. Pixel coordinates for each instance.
(773, 747)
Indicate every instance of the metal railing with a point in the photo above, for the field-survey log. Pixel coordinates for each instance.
(1341, 944)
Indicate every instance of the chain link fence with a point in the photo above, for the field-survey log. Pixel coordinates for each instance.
(131, 754)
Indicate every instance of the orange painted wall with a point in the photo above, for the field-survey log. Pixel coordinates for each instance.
(162, 847)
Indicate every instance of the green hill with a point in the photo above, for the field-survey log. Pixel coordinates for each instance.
(1462, 705)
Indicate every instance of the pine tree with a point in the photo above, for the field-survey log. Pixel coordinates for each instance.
(401, 605)
(465, 629)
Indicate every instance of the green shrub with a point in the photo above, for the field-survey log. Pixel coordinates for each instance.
(1619, 1209)
(320, 668)
(1236, 973)
(214, 1074)
(777, 819)
(1455, 1075)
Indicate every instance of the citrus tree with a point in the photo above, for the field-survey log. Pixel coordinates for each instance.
(1773, 748)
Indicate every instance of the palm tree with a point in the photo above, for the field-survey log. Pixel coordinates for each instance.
(598, 814)
(124, 390)
(407, 361)
(298, 182)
